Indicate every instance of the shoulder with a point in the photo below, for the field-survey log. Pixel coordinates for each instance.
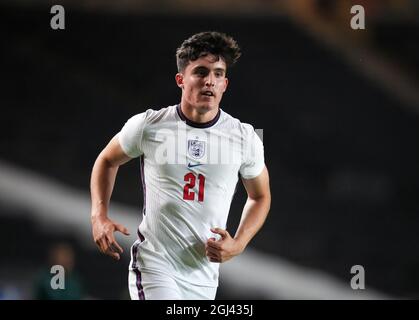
(161, 114)
(231, 122)
(151, 116)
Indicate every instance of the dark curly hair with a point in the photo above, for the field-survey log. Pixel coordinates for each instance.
(204, 43)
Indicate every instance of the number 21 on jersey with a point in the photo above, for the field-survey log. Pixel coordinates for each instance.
(190, 180)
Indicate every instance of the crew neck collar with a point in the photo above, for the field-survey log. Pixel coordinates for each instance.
(197, 124)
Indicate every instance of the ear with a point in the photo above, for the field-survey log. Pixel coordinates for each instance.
(225, 84)
(179, 80)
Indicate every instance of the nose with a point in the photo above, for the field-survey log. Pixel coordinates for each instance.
(210, 80)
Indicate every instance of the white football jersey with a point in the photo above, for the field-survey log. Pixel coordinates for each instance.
(189, 173)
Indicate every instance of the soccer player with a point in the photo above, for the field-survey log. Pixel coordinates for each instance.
(192, 155)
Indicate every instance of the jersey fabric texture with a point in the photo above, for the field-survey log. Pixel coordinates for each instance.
(152, 285)
(189, 174)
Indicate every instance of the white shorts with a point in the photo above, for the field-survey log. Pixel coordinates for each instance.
(148, 285)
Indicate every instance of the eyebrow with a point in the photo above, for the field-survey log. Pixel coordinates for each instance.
(205, 68)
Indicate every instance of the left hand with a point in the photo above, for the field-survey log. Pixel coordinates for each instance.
(223, 249)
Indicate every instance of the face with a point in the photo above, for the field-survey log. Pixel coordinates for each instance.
(203, 83)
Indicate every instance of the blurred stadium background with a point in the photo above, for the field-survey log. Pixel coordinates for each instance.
(340, 114)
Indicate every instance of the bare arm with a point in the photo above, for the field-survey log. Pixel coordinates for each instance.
(254, 215)
(256, 208)
(101, 186)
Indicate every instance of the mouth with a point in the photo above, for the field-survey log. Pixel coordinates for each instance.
(207, 93)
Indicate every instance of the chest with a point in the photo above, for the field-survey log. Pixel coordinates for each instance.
(182, 155)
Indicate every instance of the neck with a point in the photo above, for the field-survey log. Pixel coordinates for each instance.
(198, 115)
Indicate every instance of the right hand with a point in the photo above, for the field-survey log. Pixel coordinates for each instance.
(103, 229)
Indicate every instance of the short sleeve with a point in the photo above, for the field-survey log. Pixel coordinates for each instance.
(131, 134)
(254, 160)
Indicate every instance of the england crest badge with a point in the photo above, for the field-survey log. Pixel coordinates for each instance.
(196, 148)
